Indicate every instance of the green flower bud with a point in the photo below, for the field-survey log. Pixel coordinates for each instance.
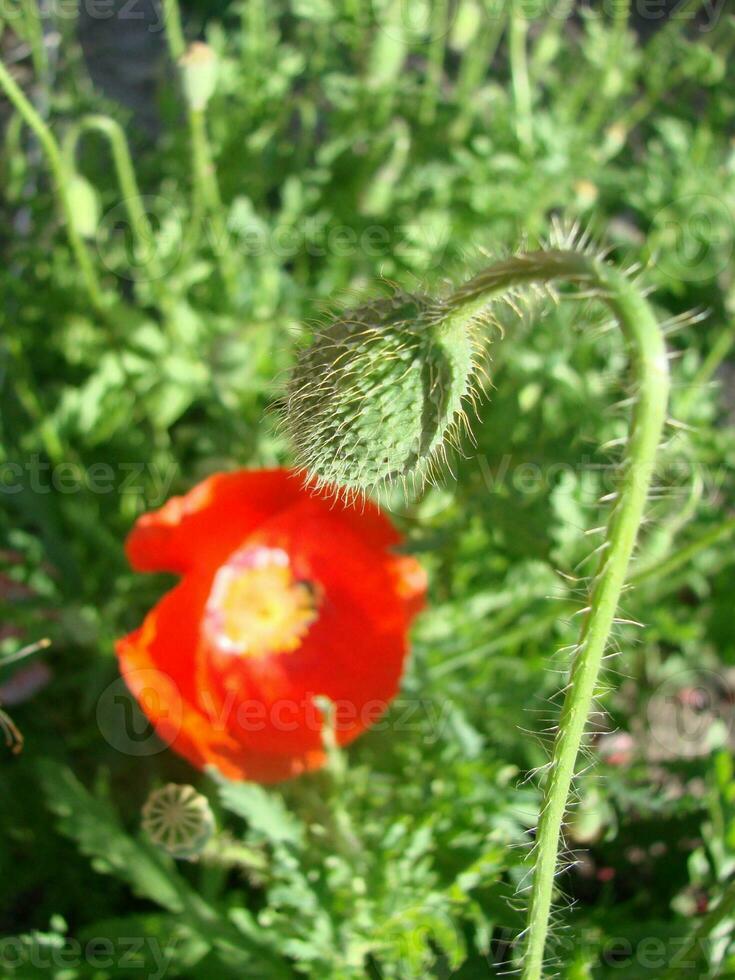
(199, 69)
(84, 205)
(379, 391)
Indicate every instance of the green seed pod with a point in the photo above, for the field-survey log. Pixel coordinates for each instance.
(179, 820)
(379, 391)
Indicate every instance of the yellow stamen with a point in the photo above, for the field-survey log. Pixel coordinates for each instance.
(257, 606)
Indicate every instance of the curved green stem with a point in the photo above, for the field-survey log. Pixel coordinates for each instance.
(650, 370)
(60, 176)
(128, 183)
(437, 338)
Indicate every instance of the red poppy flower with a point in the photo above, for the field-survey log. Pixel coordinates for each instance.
(285, 595)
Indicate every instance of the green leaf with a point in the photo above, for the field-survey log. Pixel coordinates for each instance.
(94, 826)
(264, 810)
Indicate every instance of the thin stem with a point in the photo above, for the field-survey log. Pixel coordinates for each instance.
(684, 555)
(127, 180)
(173, 29)
(517, 41)
(474, 66)
(719, 351)
(60, 178)
(606, 90)
(650, 369)
(11, 733)
(24, 652)
(693, 944)
(435, 62)
(621, 16)
(547, 40)
(206, 180)
(379, 193)
(177, 49)
(254, 28)
(140, 226)
(206, 194)
(34, 29)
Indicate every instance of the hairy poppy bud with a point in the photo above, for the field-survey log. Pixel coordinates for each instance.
(374, 397)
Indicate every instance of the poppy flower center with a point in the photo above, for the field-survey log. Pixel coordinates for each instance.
(257, 606)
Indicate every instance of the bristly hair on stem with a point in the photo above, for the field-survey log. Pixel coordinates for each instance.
(378, 394)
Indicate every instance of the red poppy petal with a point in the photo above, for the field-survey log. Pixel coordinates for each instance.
(365, 518)
(353, 654)
(411, 582)
(205, 525)
(254, 717)
(157, 663)
(208, 523)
